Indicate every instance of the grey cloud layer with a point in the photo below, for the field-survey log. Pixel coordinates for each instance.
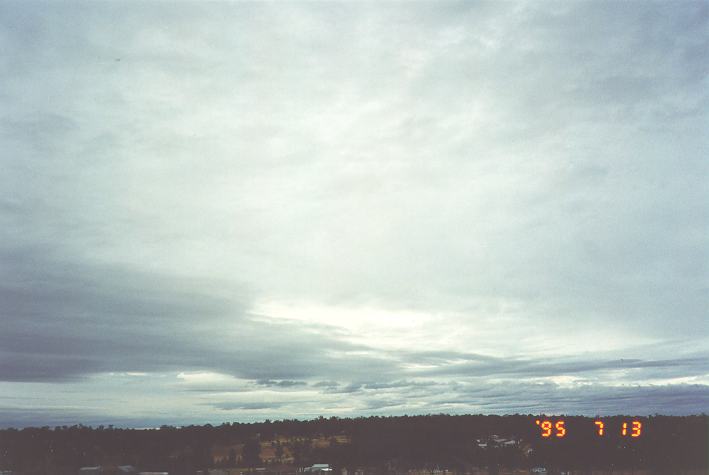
(65, 319)
(70, 320)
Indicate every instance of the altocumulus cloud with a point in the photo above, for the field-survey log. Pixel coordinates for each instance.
(246, 211)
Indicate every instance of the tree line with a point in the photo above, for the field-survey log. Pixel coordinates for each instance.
(382, 444)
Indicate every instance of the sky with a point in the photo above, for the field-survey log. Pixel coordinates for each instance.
(220, 212)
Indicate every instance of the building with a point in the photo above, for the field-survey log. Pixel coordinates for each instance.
(322, 468)
(108, 470)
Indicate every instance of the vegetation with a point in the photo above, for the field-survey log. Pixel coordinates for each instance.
(389, 443)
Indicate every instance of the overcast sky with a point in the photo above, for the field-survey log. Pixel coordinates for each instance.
(231, 211)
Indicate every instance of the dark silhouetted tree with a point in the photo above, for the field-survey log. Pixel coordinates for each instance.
(252, 450)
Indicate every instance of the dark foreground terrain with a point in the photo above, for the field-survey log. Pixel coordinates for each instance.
(417, 445)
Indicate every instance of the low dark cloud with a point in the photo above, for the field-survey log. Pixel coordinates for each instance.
(424, 397)
(475, 366)
(393, 384)
(42, 416)
(281, 383)
(247, 406)
(589, 399)
(67, 319)
(380, 404)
